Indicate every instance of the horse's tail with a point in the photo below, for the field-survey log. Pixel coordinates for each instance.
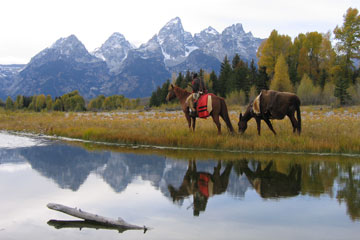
(225, 115)
(298, 115)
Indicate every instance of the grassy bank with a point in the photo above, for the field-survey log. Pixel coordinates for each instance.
(325, 130)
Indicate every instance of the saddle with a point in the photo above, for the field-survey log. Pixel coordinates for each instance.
(203, 105)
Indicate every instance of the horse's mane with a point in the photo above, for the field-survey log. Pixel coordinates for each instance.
(181, 92)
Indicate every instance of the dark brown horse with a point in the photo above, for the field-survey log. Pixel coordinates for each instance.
(272, 105)
(219, 108)
(271, 183)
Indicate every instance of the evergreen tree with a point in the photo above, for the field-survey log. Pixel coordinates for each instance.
(155, 98)
(214, 83)
(27, 101)
(180, 81)
(341, 90)
(188, 79)
(164, 91)
(281, 81)
(240, 79)
(253, 73)
(323, 78)
(263, 80)
(235, 61)
(225, 74)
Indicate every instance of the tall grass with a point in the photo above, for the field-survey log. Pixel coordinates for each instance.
(324, 130)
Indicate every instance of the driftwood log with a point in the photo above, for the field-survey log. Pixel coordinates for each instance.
(91, 220)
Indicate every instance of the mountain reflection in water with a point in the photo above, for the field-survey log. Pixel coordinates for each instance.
(196, 180)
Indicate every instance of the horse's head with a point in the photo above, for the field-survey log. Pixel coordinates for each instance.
(242, 124)
(171, 93)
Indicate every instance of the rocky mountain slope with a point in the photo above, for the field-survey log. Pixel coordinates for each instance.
(117, 67)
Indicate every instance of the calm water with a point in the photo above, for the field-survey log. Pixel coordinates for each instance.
(179, 194)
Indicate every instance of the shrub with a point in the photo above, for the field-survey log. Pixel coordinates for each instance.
(307, 92)
(236, 98)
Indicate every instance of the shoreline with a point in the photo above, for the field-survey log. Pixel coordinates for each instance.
(329, 132)
(143, 146)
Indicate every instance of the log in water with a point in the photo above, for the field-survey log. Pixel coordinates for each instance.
(120, 223)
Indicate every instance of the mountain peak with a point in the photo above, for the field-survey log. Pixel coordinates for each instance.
(117, 36)
(174, 26)
(211, 30)
(174, 21)
(67, 42)
(234, 29)
(114, 51)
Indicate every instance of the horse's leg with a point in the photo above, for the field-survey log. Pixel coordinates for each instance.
(258, 123)
(293, 122)
(188, 119)
(269, 125)
(216, 120)
(193, 123)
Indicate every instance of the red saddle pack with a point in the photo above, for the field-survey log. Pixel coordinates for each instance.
(202, 106)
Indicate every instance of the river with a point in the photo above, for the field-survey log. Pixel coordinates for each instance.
(179, 194)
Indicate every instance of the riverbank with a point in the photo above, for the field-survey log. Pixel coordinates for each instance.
(325, 130)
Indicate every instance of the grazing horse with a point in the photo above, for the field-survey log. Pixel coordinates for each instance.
(271, 183)
(219, 108)
(272, 104)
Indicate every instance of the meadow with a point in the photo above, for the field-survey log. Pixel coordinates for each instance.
(324, 129)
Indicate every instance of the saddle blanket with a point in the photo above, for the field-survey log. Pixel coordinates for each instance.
(256, 105)
(204, 105)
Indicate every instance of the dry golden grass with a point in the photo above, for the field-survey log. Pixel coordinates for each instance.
(325, 130)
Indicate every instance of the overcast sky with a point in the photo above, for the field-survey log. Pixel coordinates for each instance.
(29, 26)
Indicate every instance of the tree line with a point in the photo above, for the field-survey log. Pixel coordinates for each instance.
(70, 102)
(310, 66)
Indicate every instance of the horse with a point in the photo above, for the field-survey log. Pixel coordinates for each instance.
(270, 104)
(219, 108)
(271, 183)
(201, 185)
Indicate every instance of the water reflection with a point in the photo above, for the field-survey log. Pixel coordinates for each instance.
(196, 180)
(270, 183)
(201, 185)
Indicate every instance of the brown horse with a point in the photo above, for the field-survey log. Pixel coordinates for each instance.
(219, 108)
(271, 183)
(201, 185)
(272, 105)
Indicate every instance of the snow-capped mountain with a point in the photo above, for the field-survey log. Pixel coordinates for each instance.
(114, 51)
(8, 74)
(117, 67)
(176, 44)
(69, 49)
(235, 40)
(64, 67)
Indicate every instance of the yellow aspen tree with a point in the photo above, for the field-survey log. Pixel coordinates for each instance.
(270, 50)
(281, 81)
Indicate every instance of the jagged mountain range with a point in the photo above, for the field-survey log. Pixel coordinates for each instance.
(118, 67)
